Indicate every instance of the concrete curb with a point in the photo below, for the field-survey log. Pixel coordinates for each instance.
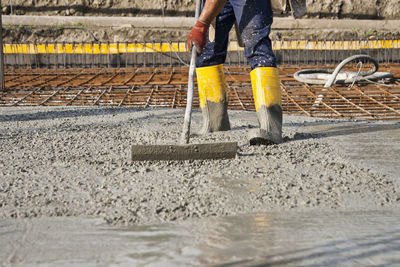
(135, 22)
(186, 22)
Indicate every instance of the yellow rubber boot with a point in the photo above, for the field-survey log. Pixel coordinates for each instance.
(267, 98)
(213, 98)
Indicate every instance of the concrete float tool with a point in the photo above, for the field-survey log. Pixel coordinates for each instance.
(186, 151)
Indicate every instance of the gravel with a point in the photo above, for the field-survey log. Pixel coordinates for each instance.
(69, 161)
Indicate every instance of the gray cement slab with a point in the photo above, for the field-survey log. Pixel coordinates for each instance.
(68, 161)
(70, 195)
(353, 238)
(373, 144)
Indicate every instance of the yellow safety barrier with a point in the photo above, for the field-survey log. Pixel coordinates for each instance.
(103, 48)
(336, 45)
(115, 48)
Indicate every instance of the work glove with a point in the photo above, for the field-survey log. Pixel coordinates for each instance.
(198, 36)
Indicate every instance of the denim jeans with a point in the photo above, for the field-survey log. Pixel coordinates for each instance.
(254, 18)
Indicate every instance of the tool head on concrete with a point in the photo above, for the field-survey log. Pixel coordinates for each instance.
(224, 150)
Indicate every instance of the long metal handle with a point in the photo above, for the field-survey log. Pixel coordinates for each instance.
(189, 101)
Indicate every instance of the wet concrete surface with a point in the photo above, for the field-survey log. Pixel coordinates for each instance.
(66, 174)
(353, 238)
(372, 144)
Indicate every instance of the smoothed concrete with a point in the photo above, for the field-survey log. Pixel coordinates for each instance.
(327, 238)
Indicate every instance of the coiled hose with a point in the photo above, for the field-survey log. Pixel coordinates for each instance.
(328, 77)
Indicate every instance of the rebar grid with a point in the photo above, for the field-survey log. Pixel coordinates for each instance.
(166, 87)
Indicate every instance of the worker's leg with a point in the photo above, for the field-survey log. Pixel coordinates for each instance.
(214, 52)
(267, 99)
(213, 98)
(255, 18)
(210, 75)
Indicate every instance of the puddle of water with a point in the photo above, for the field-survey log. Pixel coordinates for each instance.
(285, 238)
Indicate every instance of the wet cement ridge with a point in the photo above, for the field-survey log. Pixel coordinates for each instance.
(226, 150)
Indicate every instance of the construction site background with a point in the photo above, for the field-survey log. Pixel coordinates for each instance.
(363, 9)
(81, 32)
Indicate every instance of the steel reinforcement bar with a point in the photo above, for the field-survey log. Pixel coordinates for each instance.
(166, 87)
